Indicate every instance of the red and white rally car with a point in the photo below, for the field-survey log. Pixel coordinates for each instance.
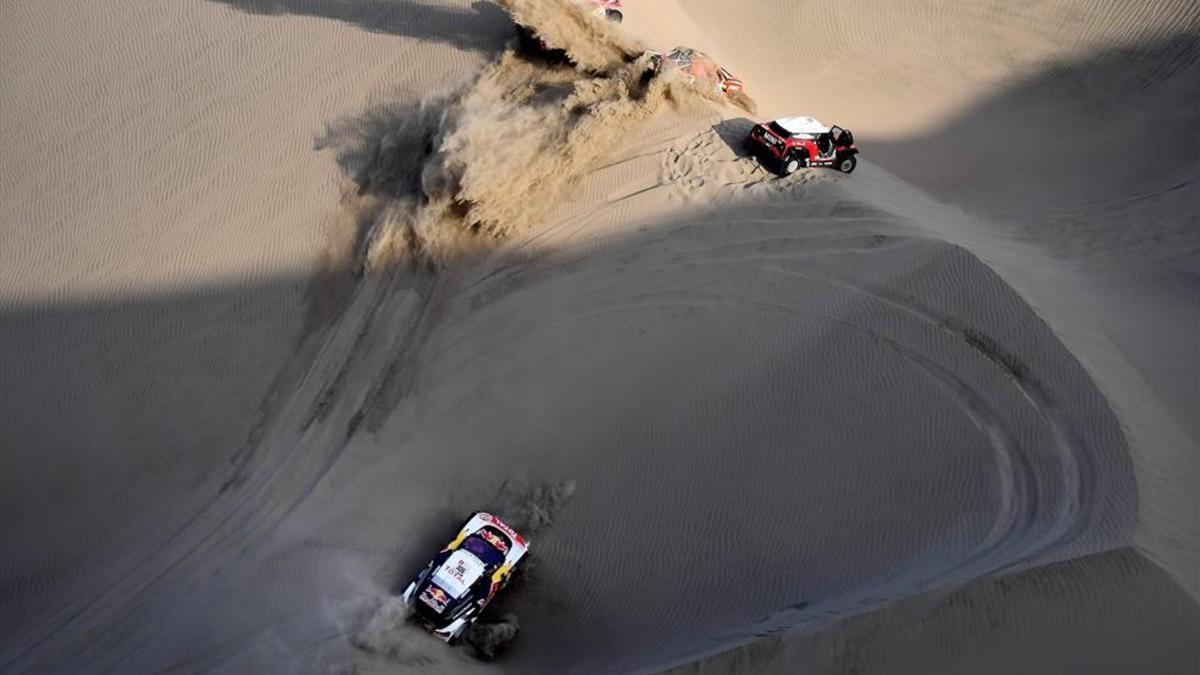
(702, 68)
(792, 143)
(609, 9)
(532, 43)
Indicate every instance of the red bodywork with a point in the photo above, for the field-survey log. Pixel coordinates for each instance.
(503, 527)
(776, 147)
(701, 67)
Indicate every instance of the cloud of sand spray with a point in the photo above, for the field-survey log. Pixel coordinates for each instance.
(510, 146)
(505, 149)
(381, 625)
(591, 43)
(378, 623)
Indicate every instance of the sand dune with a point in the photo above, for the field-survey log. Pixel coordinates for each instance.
(937, 416)
(1004, 626)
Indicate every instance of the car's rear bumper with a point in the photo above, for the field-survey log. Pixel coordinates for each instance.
(762, 153)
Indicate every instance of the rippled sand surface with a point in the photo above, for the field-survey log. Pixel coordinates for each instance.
(287, 288)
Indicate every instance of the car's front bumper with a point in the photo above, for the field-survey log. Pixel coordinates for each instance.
(454, 630)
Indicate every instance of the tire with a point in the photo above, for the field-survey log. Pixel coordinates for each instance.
(847, 164)
(614, 15)
(653, 69)
(791, 164)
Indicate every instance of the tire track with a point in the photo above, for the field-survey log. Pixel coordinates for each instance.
(293, 456)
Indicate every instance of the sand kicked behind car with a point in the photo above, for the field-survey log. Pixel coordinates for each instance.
(506, 150)
(590, 42)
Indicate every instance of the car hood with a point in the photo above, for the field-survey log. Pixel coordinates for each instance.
(460, 571)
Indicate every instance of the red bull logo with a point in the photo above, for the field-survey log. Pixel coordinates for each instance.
(435, 598)
(495, 541)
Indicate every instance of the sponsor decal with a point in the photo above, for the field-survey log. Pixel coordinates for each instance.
(435, 598)
(458, 571)
(495, 541)
(503, 527)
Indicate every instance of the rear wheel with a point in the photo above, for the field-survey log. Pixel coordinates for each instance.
(792, 163)
(846, 164)
(614, 15)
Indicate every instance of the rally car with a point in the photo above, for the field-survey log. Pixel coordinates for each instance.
(449, 594)
(532, 43)
(792, 143)
(610, 9)
(703, 69)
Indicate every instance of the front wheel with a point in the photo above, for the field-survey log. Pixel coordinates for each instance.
(847, 164)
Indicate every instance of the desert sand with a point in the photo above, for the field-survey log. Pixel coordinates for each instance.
(289, 287)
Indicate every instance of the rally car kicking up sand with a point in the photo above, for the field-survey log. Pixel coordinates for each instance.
(703, 69)
(449, 594)
(532, 43)
(610, 9)
(787, 145)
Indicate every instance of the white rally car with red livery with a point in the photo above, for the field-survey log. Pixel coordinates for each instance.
(449, 594)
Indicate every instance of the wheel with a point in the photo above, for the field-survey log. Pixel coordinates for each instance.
(614, 15)
(846, 164)
(792, 163)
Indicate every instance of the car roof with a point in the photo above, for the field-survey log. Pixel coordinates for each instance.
(802, 125)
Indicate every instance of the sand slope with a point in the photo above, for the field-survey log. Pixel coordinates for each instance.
(845, 412)
(163, 206)
(1057, 618)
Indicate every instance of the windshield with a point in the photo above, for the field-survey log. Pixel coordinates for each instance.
(484, 551)
(778, 130)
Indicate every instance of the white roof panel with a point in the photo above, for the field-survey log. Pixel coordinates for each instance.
(802, 125)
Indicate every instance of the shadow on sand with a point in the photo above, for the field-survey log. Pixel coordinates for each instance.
(733, 132)
(483, 28)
